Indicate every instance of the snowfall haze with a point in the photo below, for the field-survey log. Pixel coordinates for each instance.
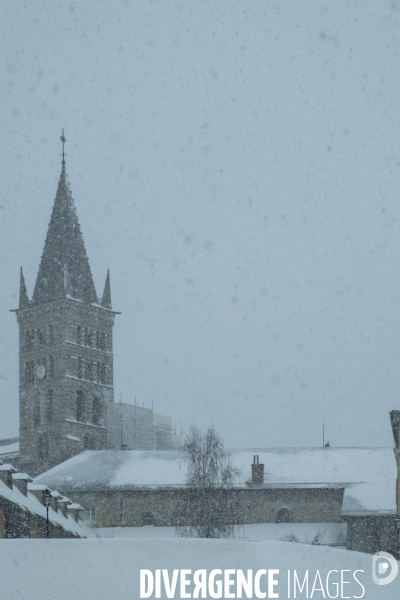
(236, 166)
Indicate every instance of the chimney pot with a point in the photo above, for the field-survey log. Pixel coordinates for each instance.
(257, 471)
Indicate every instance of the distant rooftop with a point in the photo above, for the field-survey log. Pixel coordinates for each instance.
(9, 448)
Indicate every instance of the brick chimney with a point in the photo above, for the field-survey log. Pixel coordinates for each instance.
(257, 471)
(55, 498)
(75, 510)
(63, 503)
(21, 480)
(38, 490)
(6, 473)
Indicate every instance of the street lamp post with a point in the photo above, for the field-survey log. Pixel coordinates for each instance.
(47, 500)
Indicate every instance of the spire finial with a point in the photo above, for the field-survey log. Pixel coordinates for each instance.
(63, 139)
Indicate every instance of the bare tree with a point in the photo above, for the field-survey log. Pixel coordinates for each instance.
(207, 506)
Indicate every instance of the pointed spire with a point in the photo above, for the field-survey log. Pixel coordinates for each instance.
(106, 299)
(64, 266)
(63, 139)
(23, 294)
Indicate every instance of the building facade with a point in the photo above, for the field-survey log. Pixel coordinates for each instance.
(65, 348)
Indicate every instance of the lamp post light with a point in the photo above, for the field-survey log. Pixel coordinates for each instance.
(47, 500)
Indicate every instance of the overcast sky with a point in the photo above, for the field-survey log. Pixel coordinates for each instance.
(236, 165)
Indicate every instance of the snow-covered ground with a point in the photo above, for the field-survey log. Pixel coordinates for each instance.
(333, 533)
(109, 568)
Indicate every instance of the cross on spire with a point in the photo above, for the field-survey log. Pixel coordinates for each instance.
(63, 139)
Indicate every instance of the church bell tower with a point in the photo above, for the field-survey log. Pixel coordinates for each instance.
(65, 347)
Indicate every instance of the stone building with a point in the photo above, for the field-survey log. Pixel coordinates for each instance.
(66, 348)
(345, 486)
(371, 520)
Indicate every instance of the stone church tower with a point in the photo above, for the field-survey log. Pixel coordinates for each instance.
(65, 348)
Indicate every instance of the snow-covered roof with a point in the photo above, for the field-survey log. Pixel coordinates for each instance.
(367, 474)
(23, 476)
(74, 506)
(7, 467)
(36, 487)
(64, 499)
(31, 503)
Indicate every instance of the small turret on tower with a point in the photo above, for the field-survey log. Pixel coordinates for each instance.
(23, 294)
(106, 299)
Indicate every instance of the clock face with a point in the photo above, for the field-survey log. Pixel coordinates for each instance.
(40, 371)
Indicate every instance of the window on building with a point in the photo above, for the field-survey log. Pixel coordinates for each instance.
(29, 339)
(89, 442)
(283, 516)
(51, 367)
(29, 372)
(101, 340)
(80, 367)
(98, 372)
(51, 335)
(89, 370)
(89, 337)
(49, 406)
(36, 408)
(90, 513)
(80, 405)
(103, 379)
(41, 337)
(79, 337)
(147, 519)
(97, 410)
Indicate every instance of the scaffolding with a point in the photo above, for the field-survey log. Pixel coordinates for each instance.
(133, 427)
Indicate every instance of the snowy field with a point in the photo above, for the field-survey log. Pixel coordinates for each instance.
(108, 568)
(333, 533)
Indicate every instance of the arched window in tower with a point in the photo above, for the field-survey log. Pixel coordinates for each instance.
(101, 340)
(29, 337)
(89, 370)
(97, 411)
(49, 406)
(41, 340)
(80, 367)
(103, 374)
(90, 337)
(36, 408)
(51, 367)
(80, 405)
